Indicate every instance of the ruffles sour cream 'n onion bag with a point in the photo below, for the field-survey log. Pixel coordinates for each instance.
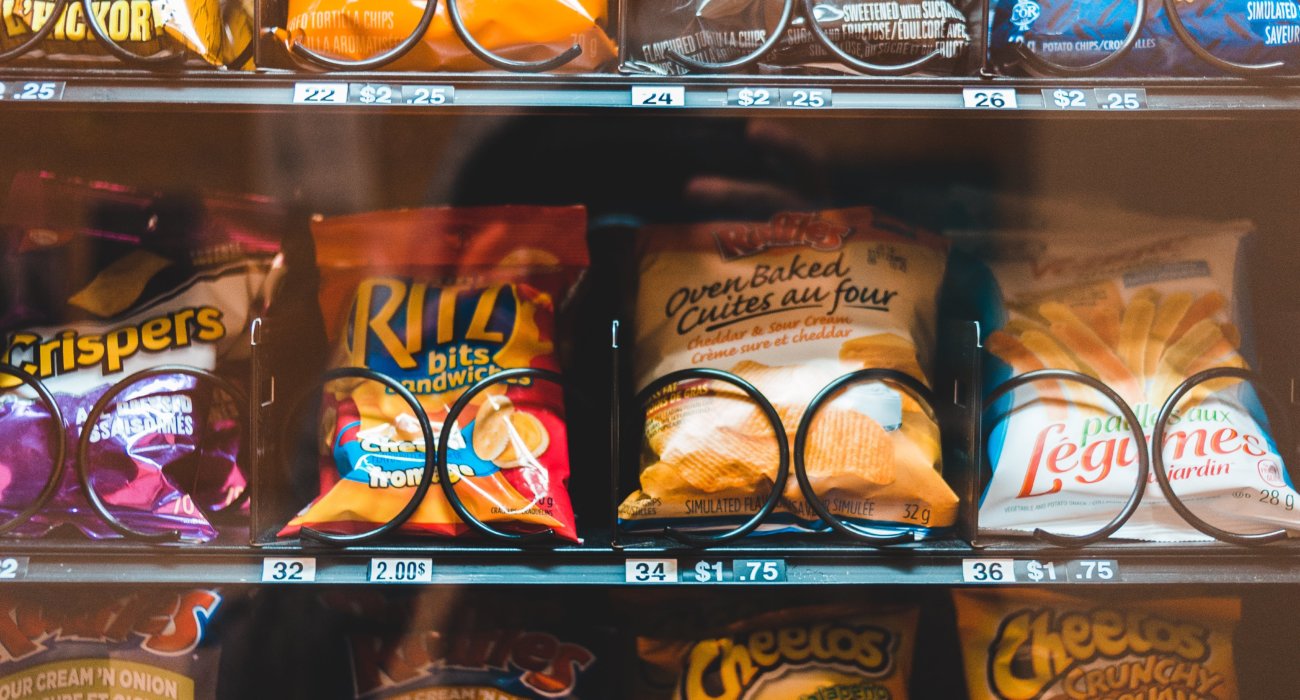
(439, 299)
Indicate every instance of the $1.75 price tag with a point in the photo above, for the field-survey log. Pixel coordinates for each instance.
(740, 571)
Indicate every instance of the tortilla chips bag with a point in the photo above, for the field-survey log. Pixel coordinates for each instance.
(814, 653)
(143, 27)
(101, 282)
(789, 305)
(1142, 314)
(520, 30)
(1029, 644)
(439, 299)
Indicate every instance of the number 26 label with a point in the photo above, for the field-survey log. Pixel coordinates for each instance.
(989, 98)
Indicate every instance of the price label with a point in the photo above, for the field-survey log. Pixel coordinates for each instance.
(428, 95)
(401, 570)
(989, 98)
(740, 571)
(35, 91)
(650, 571)
(13, 567)
(1041, 571)
(1121, 99)
(374, 94)
(658, 96)
(806, 98)
(1068, 98)
(320, 93)
(1092, 570)
(753, 97)
(988, 570)
(288, 569)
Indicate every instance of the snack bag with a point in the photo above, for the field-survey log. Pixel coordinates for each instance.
(405, 647)
(1140, 309)
(1027, 644)
(1077, 34)
(789, 305)
(106, 643)
(521, 30)
(101, 282)
(715, 32)
(813, 653)
(143, 27)
(439, 299)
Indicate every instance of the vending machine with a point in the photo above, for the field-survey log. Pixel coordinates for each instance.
(700, 350)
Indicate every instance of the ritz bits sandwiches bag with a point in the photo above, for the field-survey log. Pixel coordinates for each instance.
(813, 653)
(1142, 314)
(439, 299)
(789, 305)
(520, 30)
(143, 27)
(101, 644)
(449, 644)
(101, 282)
(1030, 644)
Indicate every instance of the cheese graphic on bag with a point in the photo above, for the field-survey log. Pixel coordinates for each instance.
(789, 305)
(1142, 316)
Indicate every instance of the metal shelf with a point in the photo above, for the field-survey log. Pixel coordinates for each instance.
(802, 561)
(434, 92)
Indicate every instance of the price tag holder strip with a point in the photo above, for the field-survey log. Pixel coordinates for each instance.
(1036, 571)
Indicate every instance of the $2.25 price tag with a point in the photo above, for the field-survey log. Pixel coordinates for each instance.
(288, 569)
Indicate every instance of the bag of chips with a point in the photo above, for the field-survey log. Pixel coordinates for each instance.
(1141, 308)
(1081, 33)
(439, 299)
(520, 30)
(143, 27)
(450, 643)
(789, 305)
(715, 31)
(1026, 644)
(100, 282)
(108, 643)
(813, 653)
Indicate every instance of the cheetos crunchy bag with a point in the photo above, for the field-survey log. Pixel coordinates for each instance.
(439, 299)
(99, 282)
(823, 652)
(790, 305)
(1037, 645)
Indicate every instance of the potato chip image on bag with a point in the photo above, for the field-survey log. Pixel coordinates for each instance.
(1034, 644)
(1142, 317)
(438, 300)
(816, 653)
(789, 305)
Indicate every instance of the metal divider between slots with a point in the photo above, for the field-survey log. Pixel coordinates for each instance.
(1282, 428)
(81, 464)
(1135, 429)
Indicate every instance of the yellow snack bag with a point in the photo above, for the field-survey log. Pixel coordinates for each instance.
(1031, 644)
(790, 305)
(812, 653)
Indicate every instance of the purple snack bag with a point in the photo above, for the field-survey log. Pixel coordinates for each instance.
(100, 282)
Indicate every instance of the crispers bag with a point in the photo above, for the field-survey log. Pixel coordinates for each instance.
(439, 299)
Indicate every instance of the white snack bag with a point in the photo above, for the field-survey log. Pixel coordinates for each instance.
(1141, 314)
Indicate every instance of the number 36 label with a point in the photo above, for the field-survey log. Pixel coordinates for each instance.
(988, 571)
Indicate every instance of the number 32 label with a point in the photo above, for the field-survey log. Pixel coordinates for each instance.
(289, 569)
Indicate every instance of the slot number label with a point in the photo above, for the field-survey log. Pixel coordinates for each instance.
(401, 570)
(650, 571)
(989, 98)
(36, 91)
(658, 96)
(320, 93)
(13, 568)
(288, 569)
(1121, 100)
(988, 571)
(740, 571)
